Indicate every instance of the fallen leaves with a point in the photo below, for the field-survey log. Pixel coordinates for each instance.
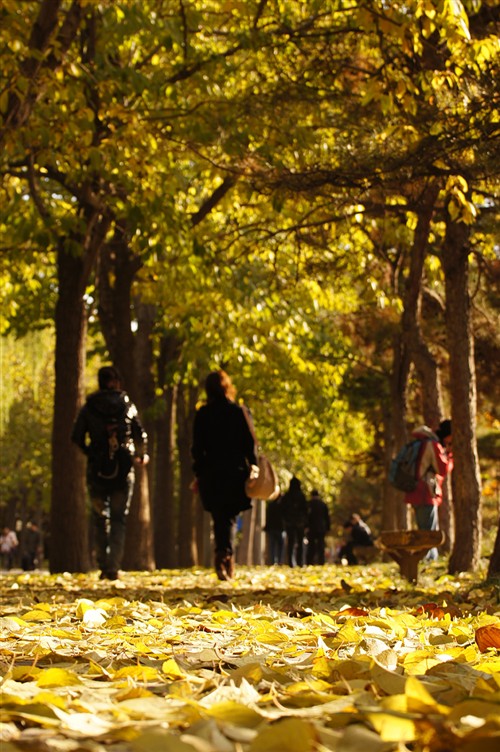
(277, 660)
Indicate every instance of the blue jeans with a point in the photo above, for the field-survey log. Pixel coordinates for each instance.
(428, 519)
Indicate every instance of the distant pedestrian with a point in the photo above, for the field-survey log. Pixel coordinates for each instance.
(109, 432)
(295, 521)
(31, 547)
(358, 534)
(318, 524)
(8, 547)
(275, 531)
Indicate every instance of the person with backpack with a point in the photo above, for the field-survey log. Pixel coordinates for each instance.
(318, 524)
(110, 434)
(434, 462)
(294, 510)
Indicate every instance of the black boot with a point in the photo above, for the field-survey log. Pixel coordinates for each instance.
(229, 566)
(220, 565)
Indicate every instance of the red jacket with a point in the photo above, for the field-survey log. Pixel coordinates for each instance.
(434, 463)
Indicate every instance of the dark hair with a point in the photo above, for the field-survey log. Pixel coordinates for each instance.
(444, 430)
(218, 385)
(106, 374)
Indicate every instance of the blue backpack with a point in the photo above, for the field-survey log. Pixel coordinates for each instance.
(403, 469)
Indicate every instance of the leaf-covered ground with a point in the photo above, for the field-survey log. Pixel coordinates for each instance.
(279, 660)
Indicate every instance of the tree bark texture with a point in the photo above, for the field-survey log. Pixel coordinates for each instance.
(117, 270)
(165, 537)
(494, 565)
(409, 347)
(466, 483)
(68, 549)
(138, 554)
(186, 405)
(164, 507)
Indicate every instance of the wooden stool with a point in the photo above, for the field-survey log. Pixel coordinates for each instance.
(408, 547)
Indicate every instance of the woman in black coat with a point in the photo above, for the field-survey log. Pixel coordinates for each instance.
(224, 454)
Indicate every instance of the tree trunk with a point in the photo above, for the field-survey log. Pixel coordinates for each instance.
(138, 541)
(466, 483)
(186, 404)
(69, 549)
(408, 347)
(432, 411)
(164, 518)
(164, 510)
(116, 272)
(394, 511)
(132, 357)
(494, 565)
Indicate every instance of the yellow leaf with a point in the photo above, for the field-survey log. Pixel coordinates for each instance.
(24, 673)
(116, 622)
(419, 699)
(57, 677)
(172, 670)
(349, 633)
(82, 606)
(37, 615)
(250, 671)
(235, 713)
(489, 665)
(50, 698)
(133, 693)
(419, 662)
(308, 686)
(290, 735)
(393, 728)
(395, 703)
(389, 681)
(34, 712)
(12, 623)
(140, 673)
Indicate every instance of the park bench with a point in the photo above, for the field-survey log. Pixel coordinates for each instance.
(408, 547)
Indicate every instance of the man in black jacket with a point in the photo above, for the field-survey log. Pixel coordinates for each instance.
(109, 432)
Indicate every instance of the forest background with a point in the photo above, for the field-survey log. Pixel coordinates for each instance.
(303, 193)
